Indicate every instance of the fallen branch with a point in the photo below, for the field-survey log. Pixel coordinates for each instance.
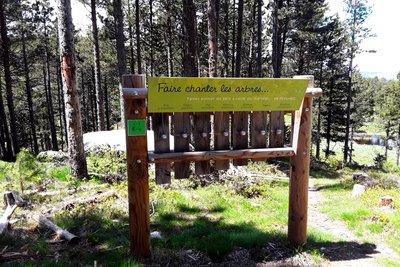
(11, 200)
(60, 233)
(69, 204)
(59, 192)
(6, 256)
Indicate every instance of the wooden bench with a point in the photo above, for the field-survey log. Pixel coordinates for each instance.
(236, 136)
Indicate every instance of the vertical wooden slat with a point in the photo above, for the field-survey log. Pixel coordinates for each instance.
(202, 129)
(299, 174)
(161, 145)
(240, 134)
(182, 131)
(277, 133)
(259, 129)
(138, 177)
(221, 137)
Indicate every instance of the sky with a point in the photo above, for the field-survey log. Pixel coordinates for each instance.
(383, 22)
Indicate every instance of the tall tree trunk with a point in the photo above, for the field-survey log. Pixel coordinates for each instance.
(92, 99)
(7, 76)
(61, 115)
(29, 97)
(398, 145)
(259, 38)
(121, 61)
(85, 105)
(76, 151)
(7, 146)
(212, 39)
(239, 39)
(224, 71)
(97, 69)
(318, 137)
(279, 30)
(233, 40)
(130, 32)
(190, 46)
(137, 18)
(106, 103)
(329, 118)
(169, 41)
(151, 38)
(53, 131)
(60, 89)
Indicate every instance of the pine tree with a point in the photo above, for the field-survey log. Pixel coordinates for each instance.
(74, 126)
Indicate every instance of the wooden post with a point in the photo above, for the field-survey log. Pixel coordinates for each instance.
(135, 94)
(299, 172)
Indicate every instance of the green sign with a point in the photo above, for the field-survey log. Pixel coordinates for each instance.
(136, 127)
(224, 94)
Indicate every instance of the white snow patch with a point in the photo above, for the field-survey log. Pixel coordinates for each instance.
(116, 140)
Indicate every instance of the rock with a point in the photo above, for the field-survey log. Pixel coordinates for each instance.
(156, 235)
(364, 179)
(50, 155)
(358, 189)
(385, 201)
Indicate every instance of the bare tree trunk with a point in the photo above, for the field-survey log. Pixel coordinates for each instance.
(212, 39)
(239, 39)
(97, 69)
(130, 31)
(259, 38)
(190, 46)
(7, 146)
(119, 25)
(29, 97)
(106, 103)
(233, 40)
(151, 38)
(329, 119)
(60, 89)
(139, 57)
(73, 114)
(7, 77)
(169, 41)
(53, 131)
(279, 29)
(398, 146)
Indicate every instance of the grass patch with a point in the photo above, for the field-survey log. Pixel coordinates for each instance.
(215, 219)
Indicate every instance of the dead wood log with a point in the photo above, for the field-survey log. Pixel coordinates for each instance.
(60, 233)
(69, 191)
(12, 200)
(7, 256)
(70, 203)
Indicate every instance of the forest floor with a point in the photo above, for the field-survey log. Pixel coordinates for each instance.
(194, 223)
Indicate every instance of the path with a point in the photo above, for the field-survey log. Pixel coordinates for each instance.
(352, 251)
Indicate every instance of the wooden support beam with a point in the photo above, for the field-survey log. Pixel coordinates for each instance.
(138, 177)
(299, 172)
(257, 153)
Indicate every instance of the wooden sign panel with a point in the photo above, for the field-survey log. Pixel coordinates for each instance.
(224, 94)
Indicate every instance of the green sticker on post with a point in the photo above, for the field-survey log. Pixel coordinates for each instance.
(136, 127)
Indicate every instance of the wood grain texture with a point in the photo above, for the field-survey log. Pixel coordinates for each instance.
(277, 133)
(221, 137)
(202, 129)
(138, 178)
(258, 129)
(240, 134)
(161, 145)
(222, 154)
(182, 132)
(299, 174)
